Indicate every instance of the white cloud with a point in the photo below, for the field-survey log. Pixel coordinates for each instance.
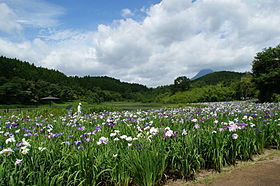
(127, 13)
(8, 19)
(176, 38)
(36, 13)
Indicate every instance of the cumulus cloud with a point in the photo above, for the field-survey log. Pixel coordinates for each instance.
(177, 37)
(8, 19)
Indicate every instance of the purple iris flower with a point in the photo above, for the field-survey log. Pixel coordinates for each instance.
(39, 124)
(81, 128)
(15, 125)
(80, 147)
(66, 142)
(258, 130)
(112, 124)
(197, 126)
(19, 144)
(58, 134)
(78, 142)
(28, 134)
(9, 126)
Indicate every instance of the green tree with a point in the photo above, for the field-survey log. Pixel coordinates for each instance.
(181, 83)
(266, 73)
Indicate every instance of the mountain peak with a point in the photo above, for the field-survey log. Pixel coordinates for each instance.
(202, 73)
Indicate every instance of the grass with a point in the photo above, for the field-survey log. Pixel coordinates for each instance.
(110, 106)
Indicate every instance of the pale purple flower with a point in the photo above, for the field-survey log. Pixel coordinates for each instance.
(7, 151)
(184, 132)
(234, 136)
(81, 128)
(80, 147)
(168, 133)
(18, 162)
(27, 134)
(19, 144)
(65, 142)
(221, 129)
(78, 142)
(232, 127)
(197, 126)
(102, 140)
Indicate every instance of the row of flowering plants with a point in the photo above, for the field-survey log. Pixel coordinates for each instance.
(132, 148)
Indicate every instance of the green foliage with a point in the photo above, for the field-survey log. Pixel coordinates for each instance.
(24, 83)
(266, 72)
(217, 77)
(204, 94)
(181, 83)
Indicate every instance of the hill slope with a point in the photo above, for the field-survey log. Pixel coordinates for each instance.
(217, 77)
(22, 82)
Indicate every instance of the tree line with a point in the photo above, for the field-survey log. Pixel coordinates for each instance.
(24, 83)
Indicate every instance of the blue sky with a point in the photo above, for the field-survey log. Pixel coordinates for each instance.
(142, 41)
(87, 14)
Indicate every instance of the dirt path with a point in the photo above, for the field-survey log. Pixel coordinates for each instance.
(264, 171)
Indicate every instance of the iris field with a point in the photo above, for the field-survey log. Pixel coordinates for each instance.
(47, 147)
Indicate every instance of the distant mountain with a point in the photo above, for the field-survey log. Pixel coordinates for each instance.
(217, 77)
(202, 73)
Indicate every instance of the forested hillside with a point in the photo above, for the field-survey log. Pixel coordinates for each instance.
(217, 77)
(24, 83)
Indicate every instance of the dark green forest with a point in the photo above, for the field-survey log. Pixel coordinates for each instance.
(24, 83)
